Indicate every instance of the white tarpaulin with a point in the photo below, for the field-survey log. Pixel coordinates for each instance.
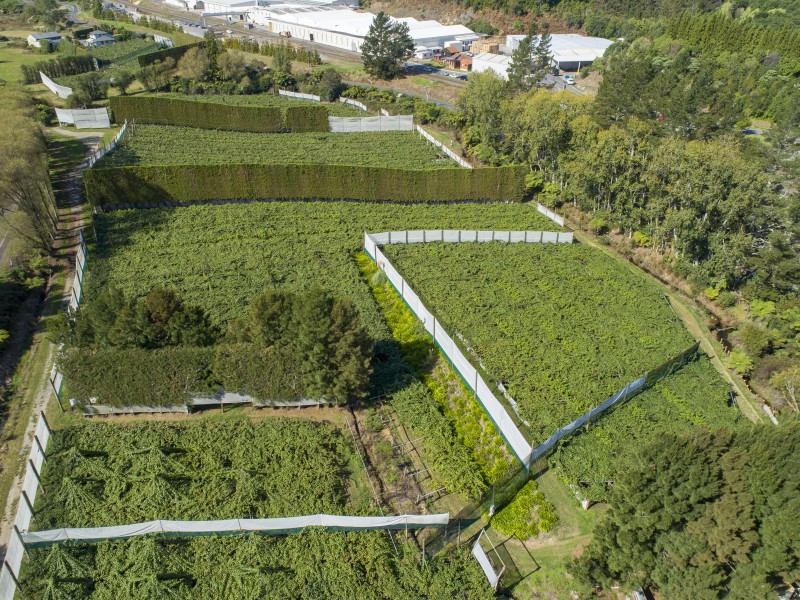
(366, 124)
(61, 91)
(277, 526)
(92, 118)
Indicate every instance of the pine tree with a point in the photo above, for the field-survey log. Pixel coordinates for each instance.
(521, 68)
(386, 46)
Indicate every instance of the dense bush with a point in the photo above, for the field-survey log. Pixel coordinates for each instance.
(121, 377)
(527, 515)
(186, 183)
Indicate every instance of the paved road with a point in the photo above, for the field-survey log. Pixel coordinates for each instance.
(72, 13)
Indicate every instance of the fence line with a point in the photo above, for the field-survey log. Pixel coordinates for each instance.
(550, 214)
(30, 486)
(163, 40)
(275, 526)
(443, 148)
(423, 236)
(511, 434)
(76, 294)
(221, 400)
(299, 96)
(381, 123)
(355, 103)
(94, 157)
(61, 91)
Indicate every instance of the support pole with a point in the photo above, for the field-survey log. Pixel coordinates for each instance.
(46, 424)
(39, 445)
(27, 501)
(21, 541)
(11, 572)
(36, 474)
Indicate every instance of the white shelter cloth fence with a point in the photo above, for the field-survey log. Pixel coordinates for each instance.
(61, 91)
(299, 96)
(107, 148)
(361, 124)
(30, 487)
(277, 526)
(550, 214)
(513, 437)
(355, 103)
(443, 148)
(91, 118)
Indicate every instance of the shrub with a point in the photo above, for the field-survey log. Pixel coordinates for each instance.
(527, 515)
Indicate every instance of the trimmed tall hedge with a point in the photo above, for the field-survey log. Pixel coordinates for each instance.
(176, 52)
(138, 185)
(217, 115)
(125, 376)
(204, 115)
(300, 119)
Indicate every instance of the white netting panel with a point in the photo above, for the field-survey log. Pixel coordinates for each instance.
(366, 124)
(299, 96)
(61, 91)
(277, 525)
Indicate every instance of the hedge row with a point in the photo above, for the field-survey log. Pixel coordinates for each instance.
(184, 183)
(205, 115)
(145, 60)
(212, 115)
(121, 377)
(300, 119)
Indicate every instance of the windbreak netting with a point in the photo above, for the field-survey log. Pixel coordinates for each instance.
(550, 214)
(90, 118)
(278, 526)
(366, 124)
(299, 96)
(61, 91)
(355, 103)
(514, 438)
(443, 148)
(30, 487)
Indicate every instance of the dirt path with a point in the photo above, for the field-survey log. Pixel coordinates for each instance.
(70, 223)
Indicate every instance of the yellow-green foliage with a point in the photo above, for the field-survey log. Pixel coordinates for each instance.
(473, 427)
(527, 515)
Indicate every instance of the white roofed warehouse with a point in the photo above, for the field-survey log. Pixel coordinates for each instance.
(344, 28)
(570, 51)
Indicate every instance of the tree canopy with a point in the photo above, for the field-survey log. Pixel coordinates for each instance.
(703, 515)
(386, 45)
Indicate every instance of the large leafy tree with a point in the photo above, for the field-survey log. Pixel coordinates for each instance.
(386, 45)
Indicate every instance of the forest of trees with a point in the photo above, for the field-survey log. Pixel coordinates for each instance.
(701, 515)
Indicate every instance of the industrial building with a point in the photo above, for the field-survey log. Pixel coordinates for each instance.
(485, 61)
(570, 51)
(341, 27)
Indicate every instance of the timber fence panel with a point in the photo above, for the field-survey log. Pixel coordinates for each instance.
(61, 91)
